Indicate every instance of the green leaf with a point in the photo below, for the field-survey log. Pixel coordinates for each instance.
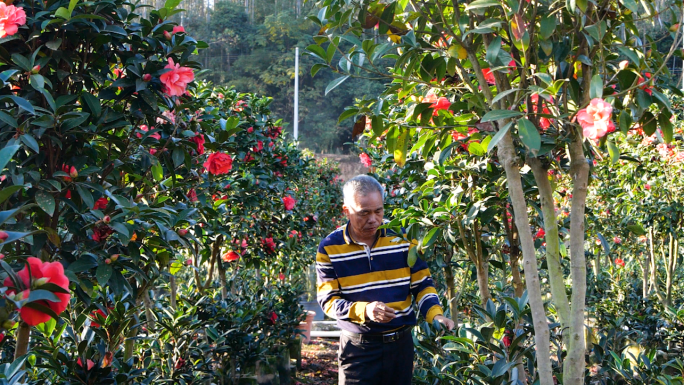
(92, 103)
(42, 295)
(63, 13)
(377, 125)
(347, 114)
(86, 196)
(493, 51)
(386, 18)
(5, 117)
(8, 191)
(666, 126)
(499, 135)
(317, 67)
(86, 262)
(6, 155)
(596, 87)
(499, 115)
(30, 142)
(629, 52)
(317, 51)
(23, 103)
(637, 230)
(103, 273)
(46, 202)
(529, 134)
(412, 256)
(54, 44)
(571, 5)
(613, 151)
(649, 123)
(625, 121)
(171, 4)
(158, 172)
(476, 149)
(547, 26)
(331, 86)
(482, 4)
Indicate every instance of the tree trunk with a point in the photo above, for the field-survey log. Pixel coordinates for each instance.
(556, 278)
(508, 157)
(514, 250)
(654, 266)
(645, 263)
(597, 264)
(149, 313)
(475, 255)
(574, 364)
(222, 280)
(23, 337)
(451, 285)
(174, 290)
(671, 261)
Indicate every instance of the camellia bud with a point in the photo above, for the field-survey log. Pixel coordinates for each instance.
(167, 35)
(35, 69)
(106, 219)
(72, 172)
(108, 261)
(8, 324)
(3, 236)
(183, 232)
(39, 282)
(2, 256)
(147, 77)
(114, 257)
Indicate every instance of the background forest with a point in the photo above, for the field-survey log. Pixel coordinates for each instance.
(252, 47)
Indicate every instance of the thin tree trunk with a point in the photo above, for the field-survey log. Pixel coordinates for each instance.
(174, 290)
(644, 272)
(451, 285)
(222, 280)
(149, 313)
(556, 278)
(671, 259)
(574, 364)
(23, 337)
(475, 255)
(654, 266)
(514, 250)
(508, 157)
(597, 264)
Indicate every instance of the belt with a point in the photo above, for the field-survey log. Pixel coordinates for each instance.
(385, 337)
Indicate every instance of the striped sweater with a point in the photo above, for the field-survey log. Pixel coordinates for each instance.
(351, 275)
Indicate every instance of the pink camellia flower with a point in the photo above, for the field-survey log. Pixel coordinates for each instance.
(153, 151)
(289, 203)
(619, 262)
(647, 186)
(617, 240)
(219, 163)
(365, 160)
(144, 128)
(178, 28)
(11, 18)
(176, 80)
(250, 130)
(595, 119)
(678, 157)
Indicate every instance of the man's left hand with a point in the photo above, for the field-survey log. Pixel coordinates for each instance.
(445, 321)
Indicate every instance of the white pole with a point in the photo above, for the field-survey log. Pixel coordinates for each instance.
(296, 95)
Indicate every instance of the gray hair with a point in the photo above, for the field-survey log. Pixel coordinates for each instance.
(361, 185)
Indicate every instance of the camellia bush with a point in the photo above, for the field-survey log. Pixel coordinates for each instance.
(136, 200)
(534, 87)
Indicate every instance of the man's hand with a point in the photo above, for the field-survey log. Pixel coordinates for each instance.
(379, 312)
(444, 321)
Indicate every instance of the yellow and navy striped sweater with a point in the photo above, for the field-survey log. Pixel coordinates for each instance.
(351, 275)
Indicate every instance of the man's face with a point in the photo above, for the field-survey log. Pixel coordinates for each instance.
(365, 214)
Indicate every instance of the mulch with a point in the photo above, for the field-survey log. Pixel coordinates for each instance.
(319, 362)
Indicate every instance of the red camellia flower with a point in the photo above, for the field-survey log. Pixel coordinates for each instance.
(93, 317)
(198, 139)
(289, 203)
(176, 80)
(230, 256)
(192, 195)
(101, 233)
(619, 262)
(272, 318)
(101, 204)
(11, 18)
(178, 28)
(51, 272)
(219, 163)
(541, 233)
(268, 244)
(259, 147)
(180, 362)
(488, 75)
(274, 132)
(508, 338)
(281, 277)
(617, 240)
(365, 159)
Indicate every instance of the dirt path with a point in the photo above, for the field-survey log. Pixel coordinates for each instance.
(319, 362)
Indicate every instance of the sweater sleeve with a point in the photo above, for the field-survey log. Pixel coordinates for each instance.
(329, 294)
(423, 290)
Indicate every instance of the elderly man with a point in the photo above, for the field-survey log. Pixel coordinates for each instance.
(365, 282)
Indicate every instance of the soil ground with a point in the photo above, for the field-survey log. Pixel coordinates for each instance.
(319, 362)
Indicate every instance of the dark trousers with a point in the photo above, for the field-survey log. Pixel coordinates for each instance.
(375, 362)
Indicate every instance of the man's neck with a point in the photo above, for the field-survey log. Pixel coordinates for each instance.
(370, 241)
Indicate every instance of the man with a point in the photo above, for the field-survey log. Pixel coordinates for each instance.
(365, 282)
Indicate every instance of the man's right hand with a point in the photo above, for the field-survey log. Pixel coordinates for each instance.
(379, 312)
